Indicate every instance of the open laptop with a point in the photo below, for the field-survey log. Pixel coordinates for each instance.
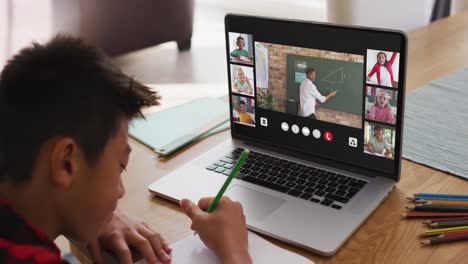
(319, 164)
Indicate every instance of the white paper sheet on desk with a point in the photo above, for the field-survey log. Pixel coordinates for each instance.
(192, 250)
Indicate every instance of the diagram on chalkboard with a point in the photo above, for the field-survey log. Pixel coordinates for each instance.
(336, 76)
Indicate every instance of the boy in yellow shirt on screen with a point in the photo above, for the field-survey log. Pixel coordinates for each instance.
(244, 116)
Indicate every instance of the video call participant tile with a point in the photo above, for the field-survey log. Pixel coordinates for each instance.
(243, 111)
(381, 104)
(382, 68)
(242, 80)
(241, 48)
(379, 140)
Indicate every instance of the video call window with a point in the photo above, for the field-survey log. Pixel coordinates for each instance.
(379, 140)
(241, 48)
(381, 104)
(382, 68)
(242, 78)
(316, 84)
(243, 111)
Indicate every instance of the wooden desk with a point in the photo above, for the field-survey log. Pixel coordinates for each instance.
(434, 51)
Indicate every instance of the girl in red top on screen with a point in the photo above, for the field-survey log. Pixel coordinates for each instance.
(383, 68)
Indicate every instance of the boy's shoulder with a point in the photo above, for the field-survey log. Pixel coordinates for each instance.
(20, 242)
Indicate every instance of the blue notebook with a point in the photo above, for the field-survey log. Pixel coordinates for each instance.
(170, 129)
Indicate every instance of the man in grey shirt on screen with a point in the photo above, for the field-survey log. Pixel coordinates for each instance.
(308, 94)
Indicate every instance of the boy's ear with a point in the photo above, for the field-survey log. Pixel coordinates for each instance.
(64, 162)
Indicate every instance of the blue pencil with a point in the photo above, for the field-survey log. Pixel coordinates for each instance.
(444, 195)
(440, 198)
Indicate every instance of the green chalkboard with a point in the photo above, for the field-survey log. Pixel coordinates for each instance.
(345, 77)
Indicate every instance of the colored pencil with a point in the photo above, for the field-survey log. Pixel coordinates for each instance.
(429, 215)
(235, 170)
(439, 231)
(443, 195)
(438, 208)
(453, 234)
(441, 202)
(450, 223)
(438, 220)
(437, 199)
(440, 240)
(418, 199)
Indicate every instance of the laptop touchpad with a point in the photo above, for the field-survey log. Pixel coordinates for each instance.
(257, 205)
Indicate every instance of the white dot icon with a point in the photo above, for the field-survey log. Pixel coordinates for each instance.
(306, 131)
(316, 133)
(295, 129)
(285, 126)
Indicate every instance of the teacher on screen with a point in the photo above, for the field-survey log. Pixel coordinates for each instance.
(308, 94)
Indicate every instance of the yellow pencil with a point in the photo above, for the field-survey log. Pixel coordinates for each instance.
(439, 231)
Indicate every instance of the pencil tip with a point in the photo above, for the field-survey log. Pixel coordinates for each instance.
(425, 243)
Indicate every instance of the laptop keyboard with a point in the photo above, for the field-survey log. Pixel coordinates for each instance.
(313, 184)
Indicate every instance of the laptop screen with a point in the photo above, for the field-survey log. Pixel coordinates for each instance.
(330, 91)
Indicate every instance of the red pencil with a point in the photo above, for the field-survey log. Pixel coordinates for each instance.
(454, 234)
(418, 215)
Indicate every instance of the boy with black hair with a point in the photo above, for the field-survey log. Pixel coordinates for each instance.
(63, 146)
(244, 116)
(240, 52)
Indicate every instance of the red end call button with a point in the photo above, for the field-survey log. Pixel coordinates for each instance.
(328, 136)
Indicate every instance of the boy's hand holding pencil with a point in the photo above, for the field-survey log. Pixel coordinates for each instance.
(220, 222)
(224, 231)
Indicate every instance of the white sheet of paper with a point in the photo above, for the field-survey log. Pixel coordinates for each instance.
(192, 250)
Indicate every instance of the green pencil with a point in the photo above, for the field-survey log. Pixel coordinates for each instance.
(449, 223)
(233, 173)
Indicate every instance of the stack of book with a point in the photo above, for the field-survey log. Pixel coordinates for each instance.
(447, 216)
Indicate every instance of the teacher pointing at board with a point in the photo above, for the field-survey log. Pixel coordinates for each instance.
(308, 94)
